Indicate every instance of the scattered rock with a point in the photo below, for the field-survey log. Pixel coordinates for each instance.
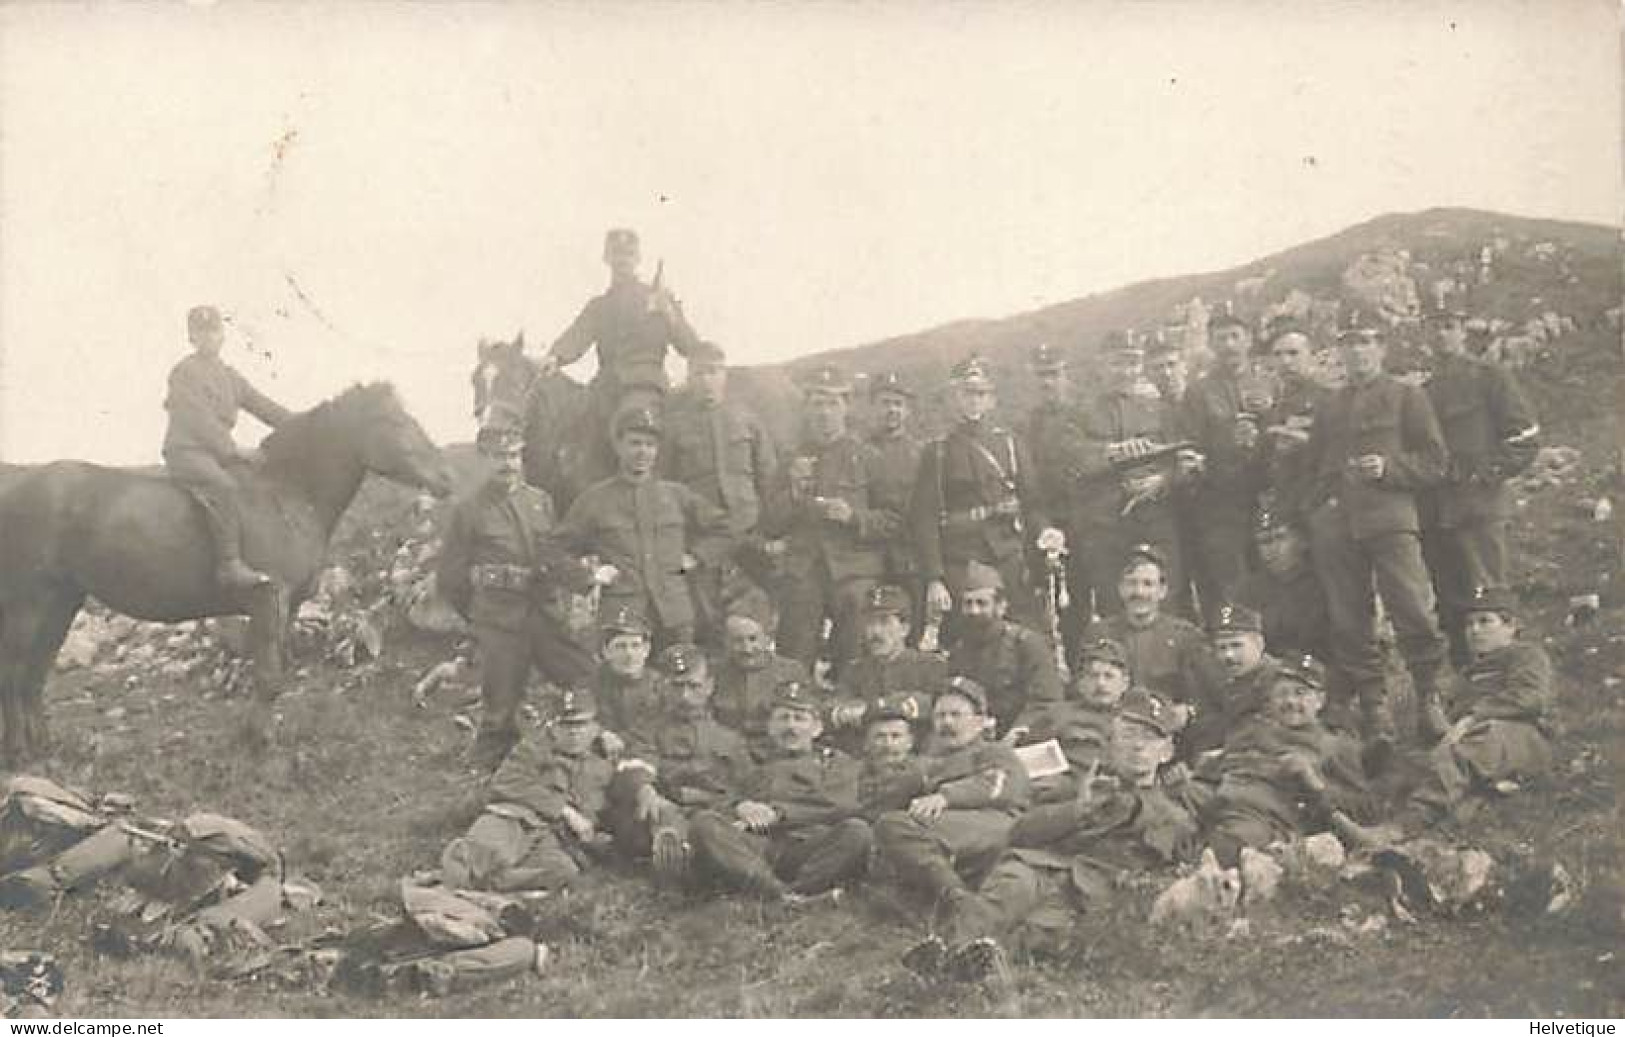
(1260, 876)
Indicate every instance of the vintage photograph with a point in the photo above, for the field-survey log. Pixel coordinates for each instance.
(812, 510)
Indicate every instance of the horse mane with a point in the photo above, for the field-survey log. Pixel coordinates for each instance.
(315, 429)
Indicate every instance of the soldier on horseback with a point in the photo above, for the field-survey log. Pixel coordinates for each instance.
(205, 395)
(632, 324)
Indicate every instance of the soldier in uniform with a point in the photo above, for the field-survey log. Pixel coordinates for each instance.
(695, 763)
(205, 395)
(1285, 590)
(632, 324)
(653, 532)
(974, 500)
(1236, 635)
(752, 670)
(1287, 476)
(495, 568)
(1128, 480)
(1490, 430)
(629, 698)
(888, 669)
(544, 808)
(1012, 664)
(1167, 655)
(825, 524)
(959, 819)
(1225, 412)
(793, 828)
(722, 452)
(1055, 436)
(1502, 712)
(897, 462)
(1168, 369)
(1375, 445)
(891, 773)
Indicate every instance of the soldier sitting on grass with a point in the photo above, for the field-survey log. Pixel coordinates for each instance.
(791, 830)
(888, 667)
(1501, 716)
(751, 669)
(1236, 638)
(542, 811)
(629, 701)
(1066, 858)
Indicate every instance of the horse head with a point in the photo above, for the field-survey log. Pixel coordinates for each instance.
(395, 446)
(363, 429)
(504, 380)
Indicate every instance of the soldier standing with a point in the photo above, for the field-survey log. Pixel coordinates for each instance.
(897, 461)
(205, 395)
(1055, 435)
(1375, 445)
(632, 324)
(1287, 477)
(653, 532)
(494, 568)
(1490, 430)
(974, 500)
(824, 523)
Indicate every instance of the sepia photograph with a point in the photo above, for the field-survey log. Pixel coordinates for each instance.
(806, 510)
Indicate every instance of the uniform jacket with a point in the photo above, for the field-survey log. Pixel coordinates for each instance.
(744, 695)
(631, 708)
(1118, 416)
(205, 394)
(889, 786)
(723, 453)
(1513, 683)
(913, 672)
(544, 781)
(975, 466)
(1137, 829)
(1015, 667)
(1228, 703)
(1489, 428)
(1056, 435)
(810, 788)
(631, 339)
(1232, 476)
(841, 469)
(644, 529)
(1386, 417)
(1168, 657)
(897, 463)
(1288, 474)
(1250, 780)
(982, 776)
(1296, 618)
(492, 526)
(699, 762)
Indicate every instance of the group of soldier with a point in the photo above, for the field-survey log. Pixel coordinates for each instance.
(1158, 609)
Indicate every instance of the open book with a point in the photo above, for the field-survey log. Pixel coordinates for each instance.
(1043, 759)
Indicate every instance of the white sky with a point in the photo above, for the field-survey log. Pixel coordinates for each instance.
(814, 176)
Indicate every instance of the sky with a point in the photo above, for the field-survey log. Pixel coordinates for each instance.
(368, 190)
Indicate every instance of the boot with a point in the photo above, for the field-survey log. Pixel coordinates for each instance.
(229, 569)
(1431, 721)
(1378, 721)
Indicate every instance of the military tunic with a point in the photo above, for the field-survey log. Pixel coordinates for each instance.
(818, 842)
(744, 695)
(1226, 493)
(723, 453)
(896, 463)
(1015, 666)
(632, 708)
(911, 674)
(1168, 657)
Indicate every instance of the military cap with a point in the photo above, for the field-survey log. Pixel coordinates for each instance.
(1359, 326)
(1225, 319)
(1268, 523)
(1106, 650)
(754, 605)
(625, 620)
(889, 381)
(1045, 357)
(828, 378)
(1121, 342)
(1305, 669)
(980, 577)
(1491, 599)
(888, 600)
(574, 706)
(1145, 553)
(795, 694)
(1236, 619)
(967, 689)
(972, 372)
(892, 707)
(559, 568)
(707, 354)
(679, 659)
(500, 437)
(619, 238)
(202, 318)
(637, 419)
(1281, 326)
(1138, 706)
(1158, 344)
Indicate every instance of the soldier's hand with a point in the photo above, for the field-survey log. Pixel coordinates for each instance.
(837, 510)
(580, 825)
(757, 817)
(847, 716)
(926, 809)
(649, 804)
(1246, 431)
(1015, 735)
(612, 743)
(937, 598)
(1191, 462)
(773, 548)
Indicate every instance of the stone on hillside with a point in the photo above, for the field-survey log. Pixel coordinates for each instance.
(82, 645)
(1260, 876)
(1381, 281)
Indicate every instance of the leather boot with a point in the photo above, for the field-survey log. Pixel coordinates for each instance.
(229, 570)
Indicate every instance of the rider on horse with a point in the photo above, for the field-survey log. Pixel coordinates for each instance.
(632, 324)
(205, 395)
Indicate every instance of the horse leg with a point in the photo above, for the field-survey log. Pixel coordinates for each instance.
(266, 621)
(56, 615)
(16, 642)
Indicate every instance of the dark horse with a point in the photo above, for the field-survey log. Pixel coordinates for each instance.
(553, 411)
(138, 544)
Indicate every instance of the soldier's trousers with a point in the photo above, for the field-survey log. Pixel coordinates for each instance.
(504, 855)
(1348, 569)
(506, 657)
(806, 602)
(935, 859)
(806, 860)
(206, 479)
(1221, 536)
(1098, 557)
(634, 838)
(1460, 559)
(461, 970)
(1489, 751)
